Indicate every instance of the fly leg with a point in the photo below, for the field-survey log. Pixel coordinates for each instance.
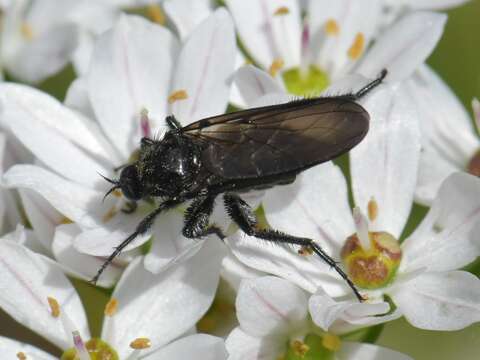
(142, 227)
(197, 218)
(241, 213)
(370, 86)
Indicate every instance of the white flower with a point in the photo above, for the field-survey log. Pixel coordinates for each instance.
(426, 288)
(161, 310)
(38, 38)
(137, 65)
(449, 141)
(274, 320)
(335, 40)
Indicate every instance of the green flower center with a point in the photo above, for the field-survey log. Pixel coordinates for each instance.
(306, 83)
(97, 349)
(375, 267)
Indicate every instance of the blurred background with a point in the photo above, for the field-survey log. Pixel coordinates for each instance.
(457, 60)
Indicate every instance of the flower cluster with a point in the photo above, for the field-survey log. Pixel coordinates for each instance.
(170, 297)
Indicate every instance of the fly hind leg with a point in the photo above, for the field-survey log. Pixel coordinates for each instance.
(241, 213)
(197, 219)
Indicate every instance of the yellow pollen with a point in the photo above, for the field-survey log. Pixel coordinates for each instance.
(140, 343)
(276, 66)
(300, 348)
(372, 209)
(331, 342)
(156, 14)
(332, 27)
(65, 220)
(54, 307)
(282, 10)
(109, 215)
(117, 193)
(26, 31)
(357, 47)
(177, 95)
(21, 356)
(111, 307)
(305, 251)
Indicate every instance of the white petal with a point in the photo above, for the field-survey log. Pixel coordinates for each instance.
(168, 245)
(265, 35)
(26, 282)
(41, 215)
(447, 239)
(234, 271)
(78, 264)
(325, 311)
(205, 69)
(101, 240)
(187, 14)
(199, 346)
(163, 306)
(429, 4)
(270, 306)
(130, 71)
(359, 351)
(440, 301)
(9, 349)
(330, 51)
(254, 83)
(384, 166)
(306, 272)
(77, 97)
(241, 346)
(404, 46)
(76, 202)
(45, 55)
(314, 206)
(28, 104)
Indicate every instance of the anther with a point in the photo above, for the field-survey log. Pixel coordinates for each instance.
(21, 356)
(65, 220)
(357, 47)
(156, 14)
(331, 342)
(275, 67)
(111, 307)
(332, 28)
(305, 251)
(26, 31)
(282, 10)
(109, 215)
(372, 209)
(54, 307)
(300, 348)
(140, 343)
(177, 95)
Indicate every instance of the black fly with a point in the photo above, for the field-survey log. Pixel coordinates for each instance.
(237, 152)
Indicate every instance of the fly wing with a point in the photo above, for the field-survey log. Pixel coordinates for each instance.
(279, 139)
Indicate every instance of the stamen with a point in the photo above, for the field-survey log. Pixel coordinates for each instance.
(26, 31)
(65, 220)
(177, 95)
(300, 348)
(21, 356)
(332, 28)
(372, 209)
(145, 123)
(331, 341)
(110, 214)
(140, 343)
(156, 14)
(111, 307)
(282, 10)
(276, 66)
(82, 351)
(117, 193)
(357, 47)
(54, 307)
(361, 225)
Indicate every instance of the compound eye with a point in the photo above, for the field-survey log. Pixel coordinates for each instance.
(130, 183)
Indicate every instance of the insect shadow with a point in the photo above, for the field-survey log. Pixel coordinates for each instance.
(238, 152)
